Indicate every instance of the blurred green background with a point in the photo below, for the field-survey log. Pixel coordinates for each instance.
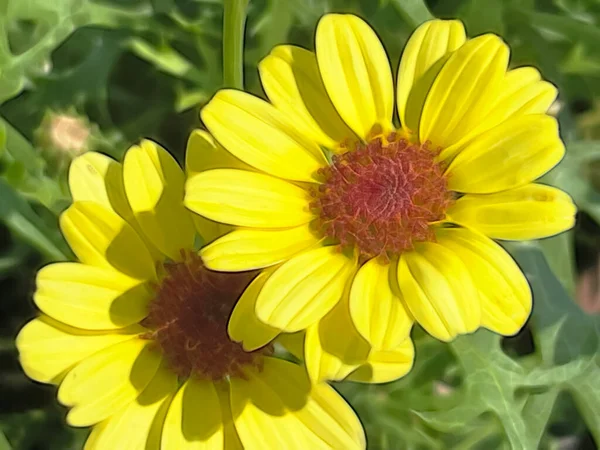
(81, 75)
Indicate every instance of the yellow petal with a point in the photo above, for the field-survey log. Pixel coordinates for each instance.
(247, 199)
(99, 237)
(194, 418)
(107, 381)
(209, 230)
(276, 408)
(154, 184)
(93, 298)
(333, 347)
(503, 289)
(523, 92)
(130, 428)
(304, 289)
(95, 177)
(386, 365)
(243, 326)
(328, 415)
(439, 291)
(377, 312)
(247, 249)
(261, 136)
(48, 348)
(533, 211)
(512, 154)
(464, 90)
(204, 153)
(422, 59)
(230, 434)
(290, 77)
(356, 72)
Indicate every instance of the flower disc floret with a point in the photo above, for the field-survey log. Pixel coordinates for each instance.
(188, 319)
(382, 196)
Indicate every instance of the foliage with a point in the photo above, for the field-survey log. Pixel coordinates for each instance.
(142, 68)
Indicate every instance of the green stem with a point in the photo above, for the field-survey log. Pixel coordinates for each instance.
(234, 23)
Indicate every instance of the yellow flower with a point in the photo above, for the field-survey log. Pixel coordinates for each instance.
(135, 333)
(400, 217)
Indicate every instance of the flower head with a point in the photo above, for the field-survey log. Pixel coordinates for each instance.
(63, 136)
(136, 332)
(375, 220)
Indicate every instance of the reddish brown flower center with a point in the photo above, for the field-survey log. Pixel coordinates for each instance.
(188, 320)
(382, 198)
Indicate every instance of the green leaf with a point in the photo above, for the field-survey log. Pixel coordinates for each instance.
(163, 6)
(580, 62)
(165, 59)
(483, 16)
(17, 149)
(12, 259)
(274, 25)
(490, 388)
(566, 28)
(54, 22)
(414, 12)
(568, 340)
(4, 444)
(560, 254)
(586, 393)
(24, 169)
(23, 222)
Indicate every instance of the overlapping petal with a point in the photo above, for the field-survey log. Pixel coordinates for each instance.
(423, 57)
(100, 237)
(89, 297)
(108, 381)
(439, 291)
(203, 152)
(533, 211)
(154, 184)
(277, 407)
(377, 311)
(48, 348)
(247, 199)
(261, 136)
(523, 92)
(290, 77)
(243, 326)
(131, 427)
(503, 289)
(384, 366)
(356, 72)
(333, 348)
(194, 421)
(231, 437)
(512, 154)
(94, 177)
(464, 90)
(304, 289)
(247, 249)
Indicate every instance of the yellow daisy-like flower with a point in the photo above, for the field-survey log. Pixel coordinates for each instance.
(135, 333)
(399, 218)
